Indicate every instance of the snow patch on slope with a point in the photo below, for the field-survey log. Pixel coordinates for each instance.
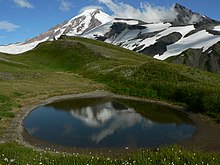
(129, 22)
(217, 28)
(155, 27)
(98, 31)
(128, 38)
(182, 30)
(20, 47)
(104, 28)
(200, 40)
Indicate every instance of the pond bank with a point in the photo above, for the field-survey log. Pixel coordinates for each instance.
(205, 138)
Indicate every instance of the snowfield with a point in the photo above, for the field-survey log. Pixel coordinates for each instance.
(20, 47)
(200, 40)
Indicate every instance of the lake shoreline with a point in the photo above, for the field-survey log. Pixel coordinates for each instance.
(205, 137)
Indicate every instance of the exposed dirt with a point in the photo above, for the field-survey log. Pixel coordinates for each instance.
(206, 136)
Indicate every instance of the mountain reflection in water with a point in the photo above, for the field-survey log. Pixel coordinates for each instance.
(108, 122)
(98, 115)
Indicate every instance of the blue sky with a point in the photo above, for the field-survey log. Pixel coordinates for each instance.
(23, 19)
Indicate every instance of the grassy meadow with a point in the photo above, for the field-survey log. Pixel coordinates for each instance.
(77, 65)
(13, 153)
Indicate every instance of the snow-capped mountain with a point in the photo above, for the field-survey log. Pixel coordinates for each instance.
(76, 26)
(160, 40)
(164, 39)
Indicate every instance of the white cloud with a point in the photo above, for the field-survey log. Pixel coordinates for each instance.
(146, 12)
(195, 18)
(158, 13)
(90, 7)
(65, 5)
(7, 26)
(24, 4)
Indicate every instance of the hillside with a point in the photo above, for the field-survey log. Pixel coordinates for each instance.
(55, 64)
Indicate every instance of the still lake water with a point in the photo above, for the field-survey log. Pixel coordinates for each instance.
(108, 122)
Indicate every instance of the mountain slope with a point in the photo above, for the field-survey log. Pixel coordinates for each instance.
(208, 60)
(126, 72)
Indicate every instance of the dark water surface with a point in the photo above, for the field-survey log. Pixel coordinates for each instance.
(108, 122)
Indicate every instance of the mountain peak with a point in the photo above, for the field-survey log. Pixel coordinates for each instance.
(87, 20)
(90, 11)
(179, 6)
(93, 13)
(186, 16)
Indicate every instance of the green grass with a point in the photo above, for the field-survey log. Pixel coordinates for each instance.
(198, 90)
(76, 65)
(13, 153)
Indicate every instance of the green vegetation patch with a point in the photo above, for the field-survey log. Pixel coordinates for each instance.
(172, 83)
(13, 153)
